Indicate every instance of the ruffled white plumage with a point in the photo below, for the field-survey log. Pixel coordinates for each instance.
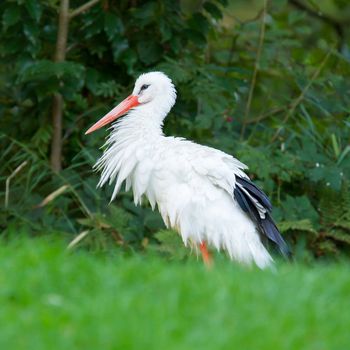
(192, 185)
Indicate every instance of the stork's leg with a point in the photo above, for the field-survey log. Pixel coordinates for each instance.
(207, 259)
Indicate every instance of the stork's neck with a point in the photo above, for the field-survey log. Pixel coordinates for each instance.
(143, 122)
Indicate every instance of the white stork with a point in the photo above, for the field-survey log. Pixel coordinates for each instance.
(201, 192)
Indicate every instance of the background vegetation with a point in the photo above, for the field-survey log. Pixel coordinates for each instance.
(265, 81)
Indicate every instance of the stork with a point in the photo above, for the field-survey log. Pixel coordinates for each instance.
(201, 192)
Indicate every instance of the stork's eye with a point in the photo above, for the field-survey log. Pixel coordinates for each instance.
(144, 87)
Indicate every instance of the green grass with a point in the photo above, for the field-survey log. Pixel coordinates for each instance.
(54, 299)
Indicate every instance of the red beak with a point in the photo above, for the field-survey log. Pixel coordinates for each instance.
(116, 112)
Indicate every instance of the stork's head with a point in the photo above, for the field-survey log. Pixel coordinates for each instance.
(153, 92)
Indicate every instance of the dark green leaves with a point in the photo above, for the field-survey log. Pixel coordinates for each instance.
(11, 15)
(146, 14)
(149, 52)
(213, 10)
(44, 69)
(46, 77)
(31, 31)
(34, 9)
(113, 26)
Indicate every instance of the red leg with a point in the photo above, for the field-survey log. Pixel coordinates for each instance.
(208, 261)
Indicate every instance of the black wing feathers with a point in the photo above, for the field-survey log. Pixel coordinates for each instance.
(245, 193)
(271, 230)
(245, 203)
(255, 191)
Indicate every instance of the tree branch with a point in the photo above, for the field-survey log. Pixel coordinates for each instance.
(8, 180)
(83, 8)
(60, 55)
(337, 26)
(302, 95)
(57, 104)
(256, 68)
(266, 115)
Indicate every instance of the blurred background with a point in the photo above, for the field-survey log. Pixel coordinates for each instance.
(267, 81)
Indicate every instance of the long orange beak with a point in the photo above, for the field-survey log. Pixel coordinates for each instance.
(130, 102)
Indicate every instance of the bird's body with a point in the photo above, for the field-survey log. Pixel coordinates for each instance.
(201, 192)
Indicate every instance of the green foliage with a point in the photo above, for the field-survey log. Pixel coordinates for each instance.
(294, 135)
(304, 225)
(170, 244)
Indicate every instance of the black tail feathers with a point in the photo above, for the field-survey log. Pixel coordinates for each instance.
(256, 204)
(271, 231)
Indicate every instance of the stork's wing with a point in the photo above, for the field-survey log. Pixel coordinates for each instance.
(227, 172)
(218, 167)
(257, 205)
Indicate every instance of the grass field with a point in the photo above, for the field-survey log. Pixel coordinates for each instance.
(54, 299)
